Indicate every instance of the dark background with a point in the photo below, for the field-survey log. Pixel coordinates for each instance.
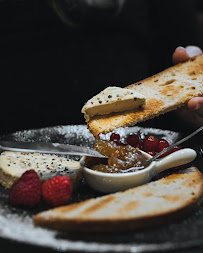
(55, 55)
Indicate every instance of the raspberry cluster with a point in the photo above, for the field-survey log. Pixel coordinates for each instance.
(28, 190)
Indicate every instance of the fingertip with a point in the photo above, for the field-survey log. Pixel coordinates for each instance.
(195, 103)
(192, 105)
(180, 55)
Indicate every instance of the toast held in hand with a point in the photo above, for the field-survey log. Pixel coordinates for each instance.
(164, 92)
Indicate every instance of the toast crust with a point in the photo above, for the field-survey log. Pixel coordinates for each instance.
(93, 215)
(164, 92)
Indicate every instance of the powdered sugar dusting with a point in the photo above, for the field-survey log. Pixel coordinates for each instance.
(61, 134)
(16, 223)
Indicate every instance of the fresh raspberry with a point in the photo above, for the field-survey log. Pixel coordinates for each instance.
(57, 190)
(26, 191)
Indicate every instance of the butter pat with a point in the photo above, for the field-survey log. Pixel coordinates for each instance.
(112, 99)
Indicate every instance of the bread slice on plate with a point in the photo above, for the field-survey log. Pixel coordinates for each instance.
(151, 204)
(14, 164)
(164, 92)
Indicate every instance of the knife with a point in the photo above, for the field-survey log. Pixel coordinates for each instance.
(48, 148)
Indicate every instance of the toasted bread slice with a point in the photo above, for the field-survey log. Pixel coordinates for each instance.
(164, 92)
(14, 164)
(150, 204)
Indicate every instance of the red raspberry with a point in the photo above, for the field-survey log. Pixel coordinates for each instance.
(150, 143)
(57, 190)
(26, 191)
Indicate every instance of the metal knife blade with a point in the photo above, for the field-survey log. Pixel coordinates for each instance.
(48, 148)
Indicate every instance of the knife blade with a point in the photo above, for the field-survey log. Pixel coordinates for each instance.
(48, 148)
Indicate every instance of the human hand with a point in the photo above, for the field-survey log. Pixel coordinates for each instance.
(195, 105)
(182, 54)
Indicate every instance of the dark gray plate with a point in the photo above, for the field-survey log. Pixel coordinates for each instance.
(16, 223)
